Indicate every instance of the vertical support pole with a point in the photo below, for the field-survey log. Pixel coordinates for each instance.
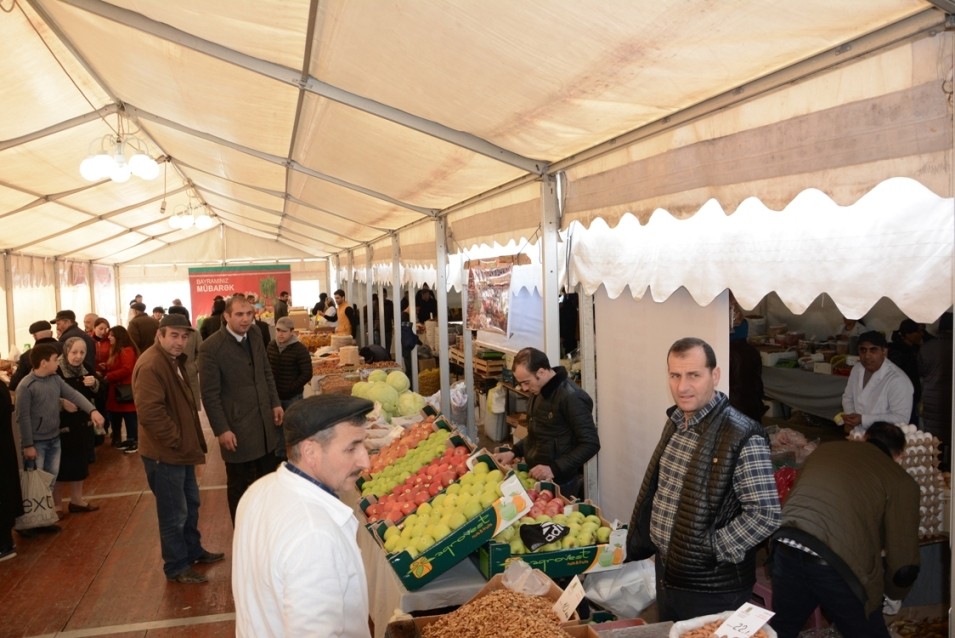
(441, 290)
(471, 427)
(396, 299)
(57, 282)
(550, 225)
(8, 293)
(90, 282)
(588, 380)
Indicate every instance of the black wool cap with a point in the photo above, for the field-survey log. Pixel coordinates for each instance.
(40, 326)
(875, 338)
(310, 416)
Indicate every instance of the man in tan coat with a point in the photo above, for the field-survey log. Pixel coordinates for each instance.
(171, 444)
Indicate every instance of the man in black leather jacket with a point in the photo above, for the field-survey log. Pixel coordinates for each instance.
(561, 435)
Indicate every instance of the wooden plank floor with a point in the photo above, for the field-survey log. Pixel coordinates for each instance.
(102, 574)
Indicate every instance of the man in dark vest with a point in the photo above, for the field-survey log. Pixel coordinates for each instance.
(708, 497)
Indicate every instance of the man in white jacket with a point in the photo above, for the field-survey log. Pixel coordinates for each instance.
(877, 390)
(297, 569)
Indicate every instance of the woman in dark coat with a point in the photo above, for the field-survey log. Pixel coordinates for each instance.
(11, 500)
(76, 430)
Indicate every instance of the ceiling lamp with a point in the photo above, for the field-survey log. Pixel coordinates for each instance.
(183, 218)
(205, 221)
(119, 156)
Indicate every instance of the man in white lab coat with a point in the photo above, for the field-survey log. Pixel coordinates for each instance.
(297, 569)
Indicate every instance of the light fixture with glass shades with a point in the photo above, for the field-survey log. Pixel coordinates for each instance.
(119, 156)
(192, 214)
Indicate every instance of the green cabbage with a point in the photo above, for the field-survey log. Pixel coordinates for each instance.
(410, 404)
(377, 375)
(360, 389)
(399, 381)
(385, 395)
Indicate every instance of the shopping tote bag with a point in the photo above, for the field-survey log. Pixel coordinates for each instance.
(38, 508)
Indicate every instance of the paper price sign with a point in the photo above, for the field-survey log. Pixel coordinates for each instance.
(569, 600)
(744, 622)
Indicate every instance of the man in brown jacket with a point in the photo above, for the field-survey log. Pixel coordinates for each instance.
(171, 444)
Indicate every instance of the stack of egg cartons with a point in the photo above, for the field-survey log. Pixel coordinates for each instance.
(920, 460)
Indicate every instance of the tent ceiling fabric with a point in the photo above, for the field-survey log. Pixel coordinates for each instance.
(715, 251)
(313, 129)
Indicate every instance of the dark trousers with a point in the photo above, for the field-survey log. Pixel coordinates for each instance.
(801, 582)
(679, 604)
(177, 507)
(239, 476)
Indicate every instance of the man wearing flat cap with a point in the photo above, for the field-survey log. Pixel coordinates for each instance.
(296, 567)
(877, 389)
(42, 332)
(171, 444)
(66, 328)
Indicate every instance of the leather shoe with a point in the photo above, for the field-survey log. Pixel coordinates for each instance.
(89, 507)
(207, 557)
(188, 576)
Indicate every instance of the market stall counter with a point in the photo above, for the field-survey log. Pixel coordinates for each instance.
(810, 392)
(386, 594)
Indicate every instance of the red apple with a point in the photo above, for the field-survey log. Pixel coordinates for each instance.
(421, 497)
(434, 488)
(447, 477)
(532, 494)
(408, 507)
(546, 495)
(536, 511)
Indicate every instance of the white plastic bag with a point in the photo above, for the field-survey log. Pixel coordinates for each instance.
(522, 578)
(624, 592)
(680, 628)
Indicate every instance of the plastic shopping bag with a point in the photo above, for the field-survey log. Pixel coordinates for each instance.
(38, 507)
(624, 592)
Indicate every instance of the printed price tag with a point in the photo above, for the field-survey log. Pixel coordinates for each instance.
(569, 600)
(744, 622)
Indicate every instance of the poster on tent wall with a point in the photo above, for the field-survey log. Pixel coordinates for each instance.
(489, 295)
(264, 282)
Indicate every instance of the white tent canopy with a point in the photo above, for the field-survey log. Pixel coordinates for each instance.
(316, 130)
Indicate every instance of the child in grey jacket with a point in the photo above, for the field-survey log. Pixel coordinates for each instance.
(38, 409)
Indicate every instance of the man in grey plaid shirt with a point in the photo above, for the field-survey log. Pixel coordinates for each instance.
(708, 497)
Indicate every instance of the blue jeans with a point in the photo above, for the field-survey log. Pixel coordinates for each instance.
(132, 424)
(177, 507)
(800, 584)
(286, 403)
(48, 457)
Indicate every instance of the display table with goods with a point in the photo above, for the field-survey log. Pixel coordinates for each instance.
(331, 376)
(814, 393)
(429, 501)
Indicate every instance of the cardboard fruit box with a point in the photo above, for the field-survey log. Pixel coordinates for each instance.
(416, 569)
(494, 557)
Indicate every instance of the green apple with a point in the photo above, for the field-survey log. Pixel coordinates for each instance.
(424, 508)
(472, 507)
(454, 488)
(506, 535)
(527, 520)
(585, 538)
(517, 546)
(549, 547)
(481, 468)
(568, 542)
(456, 520)
(487, 499)
(595, 520)
(441, 530)
(603, 534)
(543, 518)
(391, 532)
(560, 519)
(423, 542)
(576, 517)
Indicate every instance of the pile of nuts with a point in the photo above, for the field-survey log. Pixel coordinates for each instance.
(708, 631)
(524, 617)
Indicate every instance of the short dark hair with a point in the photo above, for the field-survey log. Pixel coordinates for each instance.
(874, 337)
(41, 352)
(236, 299)
(100, 320)
(532, 359)
(339, 292)
(283, 293)
(681, 346)
(889, 435)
